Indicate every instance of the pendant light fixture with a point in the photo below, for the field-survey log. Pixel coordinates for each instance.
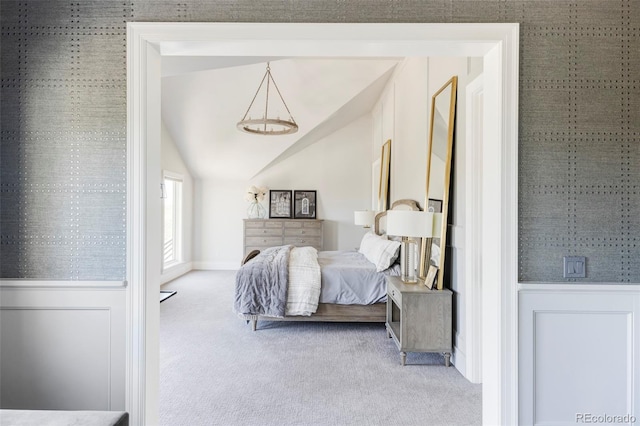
(267, 125)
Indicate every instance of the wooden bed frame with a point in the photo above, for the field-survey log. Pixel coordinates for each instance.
(330, 312)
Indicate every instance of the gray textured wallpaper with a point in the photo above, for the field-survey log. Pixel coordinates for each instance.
(63, 118)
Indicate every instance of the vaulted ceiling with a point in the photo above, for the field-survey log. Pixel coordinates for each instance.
(204, 97)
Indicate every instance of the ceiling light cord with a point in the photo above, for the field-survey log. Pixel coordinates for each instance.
(266, 101)
(254, 97)
(282, 127)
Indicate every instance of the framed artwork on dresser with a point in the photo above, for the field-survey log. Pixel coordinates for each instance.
(280, 204)
(431, 277)
(304, 206)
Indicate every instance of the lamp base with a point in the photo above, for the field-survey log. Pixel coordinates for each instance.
(408, 261)
(409, 280)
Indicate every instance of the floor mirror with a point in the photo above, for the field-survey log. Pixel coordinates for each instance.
(439, 158)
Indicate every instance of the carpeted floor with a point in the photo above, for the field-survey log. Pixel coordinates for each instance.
(215, 371)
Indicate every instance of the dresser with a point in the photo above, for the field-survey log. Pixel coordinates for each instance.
(262, 233)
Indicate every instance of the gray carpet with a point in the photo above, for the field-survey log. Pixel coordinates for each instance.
(215, 371)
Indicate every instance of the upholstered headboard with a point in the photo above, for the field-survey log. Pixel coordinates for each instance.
(380, 221)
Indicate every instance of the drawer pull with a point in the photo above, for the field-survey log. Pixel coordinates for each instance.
(302, 232)
(302, 241)
(264, 241)
(264, 232)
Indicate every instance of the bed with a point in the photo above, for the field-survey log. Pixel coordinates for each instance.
(352, 284)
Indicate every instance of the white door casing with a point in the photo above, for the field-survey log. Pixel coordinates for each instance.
(497, 43)
(473, 228)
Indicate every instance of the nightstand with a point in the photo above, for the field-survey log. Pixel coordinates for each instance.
(419, 319)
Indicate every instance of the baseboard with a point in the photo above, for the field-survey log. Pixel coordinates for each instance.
(175, 272)
(216, 266)
(459, 360)
(458, 357)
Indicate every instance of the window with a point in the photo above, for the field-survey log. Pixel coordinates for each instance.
(172, 220)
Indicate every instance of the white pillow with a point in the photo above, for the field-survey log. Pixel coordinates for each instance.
(379, 250)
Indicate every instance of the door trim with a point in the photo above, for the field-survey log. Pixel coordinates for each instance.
(473, 228)
(497, 43)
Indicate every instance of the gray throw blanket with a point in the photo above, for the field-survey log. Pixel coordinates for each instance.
(261, 284)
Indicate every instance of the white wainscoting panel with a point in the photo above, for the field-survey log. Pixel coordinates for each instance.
(579, 353)
(62, 348)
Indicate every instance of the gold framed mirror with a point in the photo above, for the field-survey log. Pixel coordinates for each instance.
(439, 157)
(385, 176)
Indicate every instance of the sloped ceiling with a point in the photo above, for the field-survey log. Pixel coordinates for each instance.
(204, 97)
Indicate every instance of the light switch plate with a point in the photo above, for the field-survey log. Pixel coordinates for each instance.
(575, 267)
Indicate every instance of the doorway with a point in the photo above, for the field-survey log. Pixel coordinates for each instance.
(497, 43)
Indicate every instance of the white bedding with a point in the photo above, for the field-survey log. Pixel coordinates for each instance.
(304, 281)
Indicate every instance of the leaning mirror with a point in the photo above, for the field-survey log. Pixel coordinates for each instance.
(439, 157)
(385, 176)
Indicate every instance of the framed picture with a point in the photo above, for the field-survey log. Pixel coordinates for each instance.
(304, 204)
(280, 204)
(431, 276)
(434, 206)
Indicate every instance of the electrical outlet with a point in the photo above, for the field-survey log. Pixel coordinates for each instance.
(575, 267)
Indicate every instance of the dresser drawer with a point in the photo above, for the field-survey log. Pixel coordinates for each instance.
(304, 241)
(263, 232)
(395, 294)
(302, 232)
(262, 223)
(263, 241)
(273, 224)
(297, 224)
(251, 224)
(260, 234)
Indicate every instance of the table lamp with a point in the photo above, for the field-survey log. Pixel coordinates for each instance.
(410, 224)
(363, 218)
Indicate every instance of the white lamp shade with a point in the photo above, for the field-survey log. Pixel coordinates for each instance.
(363, 217)
(410, 223)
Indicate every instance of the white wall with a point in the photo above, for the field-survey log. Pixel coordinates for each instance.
(411, 124)
(402, 114)
(440, 71)
(172, 161)
(219, 209)
(338, 167)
